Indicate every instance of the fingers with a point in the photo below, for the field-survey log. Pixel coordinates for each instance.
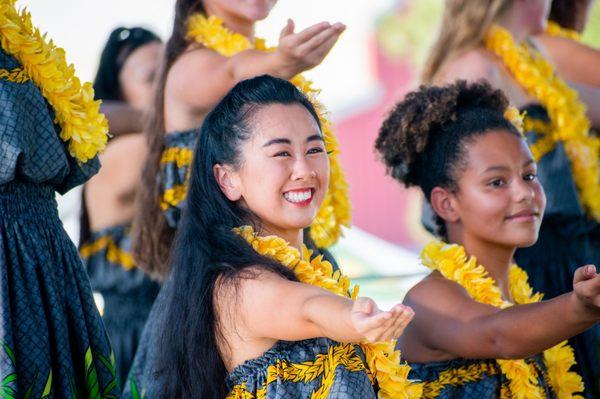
(402, 315)
(364, 305)
(308, 33)
(288, 29)
(324, 40)
(584, 273)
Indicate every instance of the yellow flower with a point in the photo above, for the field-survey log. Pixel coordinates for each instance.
(513, 115)
(82, 125)
(383, 360)
(452, 262)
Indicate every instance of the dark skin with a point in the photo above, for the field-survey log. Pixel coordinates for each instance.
(496, 208)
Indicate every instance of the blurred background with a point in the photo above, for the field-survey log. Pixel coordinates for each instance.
(376, 61)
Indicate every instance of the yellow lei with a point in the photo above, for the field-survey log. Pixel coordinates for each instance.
(383, 360)
(554, 29)
(452, 262)
(335, 210)
(568, 121)
(83, 127)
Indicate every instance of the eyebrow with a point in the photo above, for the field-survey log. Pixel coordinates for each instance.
(503, 168)
(288, 141)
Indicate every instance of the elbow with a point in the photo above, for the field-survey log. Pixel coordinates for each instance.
(507, 347)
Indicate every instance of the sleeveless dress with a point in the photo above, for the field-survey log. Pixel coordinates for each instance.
(471, 378)
(127, 291)
(52, 339)
(568, 239)
(173, 178)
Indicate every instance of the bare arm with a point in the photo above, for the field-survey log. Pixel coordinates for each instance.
(296, 53)
(449, 321)
(272, 307)
(122, 118)
(573, 60)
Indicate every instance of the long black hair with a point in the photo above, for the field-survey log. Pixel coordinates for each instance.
(205, 246)
(121, 43)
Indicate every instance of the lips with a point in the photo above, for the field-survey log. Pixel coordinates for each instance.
(299, 196)
(524, 216)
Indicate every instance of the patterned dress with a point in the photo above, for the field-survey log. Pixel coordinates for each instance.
(470, 378)
(127, 291)
(52, 339)
(568, 239)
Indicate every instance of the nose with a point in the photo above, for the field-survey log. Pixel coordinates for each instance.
(302, 170)
(524, 191)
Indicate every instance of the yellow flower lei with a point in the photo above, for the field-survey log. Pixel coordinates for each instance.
(554, 29)
(567, 113)
(83, 127)
(335, 210)
(452, 262)
(383, 360)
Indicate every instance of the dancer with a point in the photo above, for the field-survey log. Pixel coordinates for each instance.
(212, 47)
(125, 74)
(493, 46)
(479, 329)
(52, 340)
(260, 174)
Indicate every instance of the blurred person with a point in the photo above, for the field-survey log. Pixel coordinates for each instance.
(125, 74)
(561, 42)
(52, 340)
(491, 40)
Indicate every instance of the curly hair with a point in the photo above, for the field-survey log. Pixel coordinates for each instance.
(423, 141)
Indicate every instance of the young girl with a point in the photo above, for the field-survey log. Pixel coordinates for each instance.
(247, 312)
(212, 47)
(125, 74)
(492, 40)
(475, 314)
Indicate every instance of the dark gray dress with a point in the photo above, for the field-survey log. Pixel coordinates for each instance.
(52, 340)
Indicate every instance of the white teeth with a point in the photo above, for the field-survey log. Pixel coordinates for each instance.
(298, 196)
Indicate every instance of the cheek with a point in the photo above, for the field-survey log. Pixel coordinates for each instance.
(484, 209)
(540, 196)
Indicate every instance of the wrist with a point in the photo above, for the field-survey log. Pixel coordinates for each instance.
(582, 311)
(282, 67)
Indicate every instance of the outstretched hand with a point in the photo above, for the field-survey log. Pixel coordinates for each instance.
(377, 325)
(306, 49)
(586, 285)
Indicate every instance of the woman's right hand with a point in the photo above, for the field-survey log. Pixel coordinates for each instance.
(298, 52)
(376, 325)
(586, 287)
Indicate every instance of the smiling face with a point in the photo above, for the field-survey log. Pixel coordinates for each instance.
(499, 199)
(284, 169)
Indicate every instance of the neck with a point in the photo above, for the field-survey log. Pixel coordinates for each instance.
(511, 21)
(295, 237)
(231, 21)
(494, 257)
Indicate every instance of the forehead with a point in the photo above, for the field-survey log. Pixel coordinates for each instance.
(498, 147)
(292, 121)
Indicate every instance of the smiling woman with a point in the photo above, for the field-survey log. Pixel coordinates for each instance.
(259, 176)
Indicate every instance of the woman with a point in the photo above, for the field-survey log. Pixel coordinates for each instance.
(53, 342)
(125, 74)
(260, 174)
(488, 40)
(479, 330)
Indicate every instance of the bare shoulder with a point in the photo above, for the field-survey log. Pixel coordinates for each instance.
(471, 65)
(436, 293)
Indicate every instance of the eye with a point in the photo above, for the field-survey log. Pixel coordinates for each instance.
(315, 150)
(496, 183)
(283, 154)
(530, 177)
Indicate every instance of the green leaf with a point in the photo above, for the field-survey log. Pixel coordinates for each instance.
(109, 364)
(72, 387)
(134, 390)
(48, 387)
(8, 379)
(7, 393)
(10, 353)
(91, 376)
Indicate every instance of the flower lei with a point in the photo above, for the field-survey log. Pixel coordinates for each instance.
(383, 360)
(452, 262)
(554, 29)
(568, 121)
(335, 210)
(82, 125)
